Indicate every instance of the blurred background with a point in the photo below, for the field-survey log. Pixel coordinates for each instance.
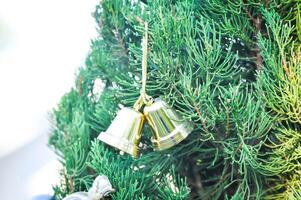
(42, 43)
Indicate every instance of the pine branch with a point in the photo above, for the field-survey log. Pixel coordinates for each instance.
(257, 23)
(201, 55)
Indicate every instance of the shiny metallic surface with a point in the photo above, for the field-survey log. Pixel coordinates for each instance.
(168, 127)
(124, 132)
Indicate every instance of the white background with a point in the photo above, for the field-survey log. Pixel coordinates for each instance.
(42, 43)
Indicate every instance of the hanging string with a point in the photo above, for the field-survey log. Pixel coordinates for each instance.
(144, 60)
(144, 98)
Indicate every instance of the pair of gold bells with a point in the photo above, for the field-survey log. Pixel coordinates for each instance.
(126, 129)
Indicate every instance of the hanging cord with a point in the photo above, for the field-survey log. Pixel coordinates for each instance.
(144, 99)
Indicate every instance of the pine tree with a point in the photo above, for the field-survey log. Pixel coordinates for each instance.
(232, 68)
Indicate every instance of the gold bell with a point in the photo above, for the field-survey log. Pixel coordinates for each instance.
(168, 127)
(124, 132)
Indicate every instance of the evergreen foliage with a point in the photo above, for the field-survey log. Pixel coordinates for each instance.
(232, 68)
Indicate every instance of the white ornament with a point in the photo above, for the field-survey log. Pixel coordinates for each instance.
(101, 188)
(98, 88)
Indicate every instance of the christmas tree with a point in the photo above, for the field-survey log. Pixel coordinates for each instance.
(230, 68)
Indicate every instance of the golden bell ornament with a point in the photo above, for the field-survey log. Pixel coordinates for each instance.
(124, 133)
(168, 127)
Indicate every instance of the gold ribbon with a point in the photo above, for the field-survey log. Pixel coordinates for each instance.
(144, 99)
